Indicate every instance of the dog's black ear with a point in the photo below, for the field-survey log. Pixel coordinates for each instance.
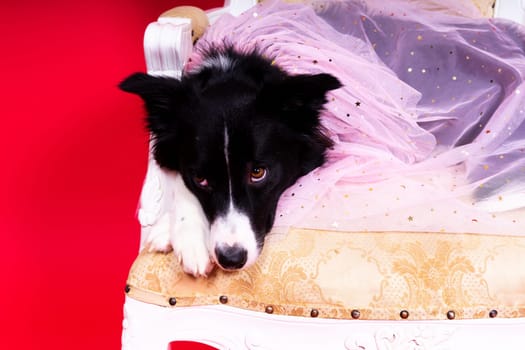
(297, 101)
(162, 98)
(158, 93)
(299, 98)
(307, 91)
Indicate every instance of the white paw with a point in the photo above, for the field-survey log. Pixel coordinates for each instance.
(158, 239)
(189, 246)
(190, 231)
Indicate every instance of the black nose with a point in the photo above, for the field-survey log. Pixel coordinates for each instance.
(231, 258)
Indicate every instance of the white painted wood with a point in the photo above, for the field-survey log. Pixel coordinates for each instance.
(154, 327)
(234, 7)
(510, 9)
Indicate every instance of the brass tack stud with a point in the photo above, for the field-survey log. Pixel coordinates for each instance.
(404, 314)
(493, 313)
(172, 301)
(355, 314)
(223, 299)
(314, 313)
(269, 309)
(451, 315)
(127, 288)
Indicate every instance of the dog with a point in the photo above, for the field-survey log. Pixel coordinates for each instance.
(234, 132)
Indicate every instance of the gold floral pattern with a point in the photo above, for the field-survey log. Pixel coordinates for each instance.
(434, 279)
(333, 273)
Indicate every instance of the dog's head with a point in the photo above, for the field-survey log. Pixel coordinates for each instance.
(240, 131)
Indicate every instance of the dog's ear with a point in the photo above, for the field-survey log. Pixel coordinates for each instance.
(158, 93)
(299, 98)
(297, 101)
(307, 91)
(162, 98)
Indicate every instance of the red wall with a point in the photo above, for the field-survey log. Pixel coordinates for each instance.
(73, 155)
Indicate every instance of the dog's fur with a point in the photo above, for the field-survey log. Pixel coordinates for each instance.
(236, 132)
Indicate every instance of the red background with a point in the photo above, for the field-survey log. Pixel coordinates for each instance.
(73, 161)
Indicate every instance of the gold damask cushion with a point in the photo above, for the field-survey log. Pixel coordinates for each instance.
(344, 275)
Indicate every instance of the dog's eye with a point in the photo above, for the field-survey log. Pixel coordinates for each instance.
(257, 174)
(201, 181)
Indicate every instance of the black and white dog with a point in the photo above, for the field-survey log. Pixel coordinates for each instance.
(236, 131)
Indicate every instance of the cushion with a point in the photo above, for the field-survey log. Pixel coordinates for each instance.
(350, 275)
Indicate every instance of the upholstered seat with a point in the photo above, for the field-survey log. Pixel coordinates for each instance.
(350, 275)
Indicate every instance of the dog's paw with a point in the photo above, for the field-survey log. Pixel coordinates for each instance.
(190, 249)
(158, 239)
(189, 231)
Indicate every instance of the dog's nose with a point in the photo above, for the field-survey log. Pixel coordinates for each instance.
(231, 258)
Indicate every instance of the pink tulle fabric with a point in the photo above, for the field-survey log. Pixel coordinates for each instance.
(429, 127)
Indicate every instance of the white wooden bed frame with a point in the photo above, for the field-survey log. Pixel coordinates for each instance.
(152, 327)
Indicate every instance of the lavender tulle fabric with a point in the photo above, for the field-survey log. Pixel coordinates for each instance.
(429, 127)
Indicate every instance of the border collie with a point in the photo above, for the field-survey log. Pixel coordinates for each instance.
(236, 131)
